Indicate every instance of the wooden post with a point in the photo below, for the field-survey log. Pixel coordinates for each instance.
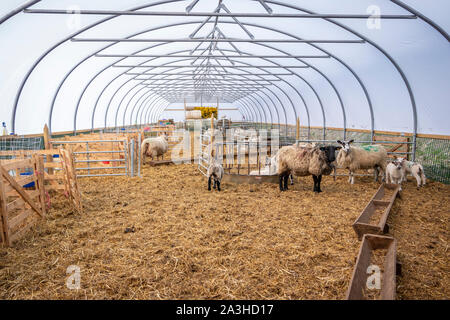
(185, 111)
(38, 164)
(297, 135)
(3, 214)
(48, 146)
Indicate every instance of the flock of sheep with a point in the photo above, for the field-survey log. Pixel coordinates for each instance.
(309, 159)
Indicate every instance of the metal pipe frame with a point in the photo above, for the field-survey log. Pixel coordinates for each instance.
(325, 17)
(218, 14)
(297, 92)
(319, 100)
(221, 57)
(157, 73)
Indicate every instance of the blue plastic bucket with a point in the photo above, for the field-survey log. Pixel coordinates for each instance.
(56, 156)
(28, 185)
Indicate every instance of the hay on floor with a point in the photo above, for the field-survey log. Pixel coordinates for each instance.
(166, 237)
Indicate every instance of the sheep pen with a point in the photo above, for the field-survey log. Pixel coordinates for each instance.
(246, 242)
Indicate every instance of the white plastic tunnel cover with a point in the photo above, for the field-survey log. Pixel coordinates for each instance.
(368, 64)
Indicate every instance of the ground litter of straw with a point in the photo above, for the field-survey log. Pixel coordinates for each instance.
(246, 242)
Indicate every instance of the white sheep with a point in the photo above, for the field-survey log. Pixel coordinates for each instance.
(216, 172)
(395, 172)
(414, 168)
(154, 147)
(367, 157)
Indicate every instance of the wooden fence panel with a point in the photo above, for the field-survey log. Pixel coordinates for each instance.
(21, 208)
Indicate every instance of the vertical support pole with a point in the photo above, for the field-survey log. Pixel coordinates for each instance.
(38, 164)
(4, 213)
(87, 156)
(185, 112)
(48, 146)
(212, 128)
(139, 156)
(413, 158)
(297, 133)
(125, 147)
(217, 108)
(132, 158)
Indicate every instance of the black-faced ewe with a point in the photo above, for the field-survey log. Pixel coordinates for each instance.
(154, 147)
(395, 172)
(366, 157)
(215, 171)
(414, 168)
(305, 161)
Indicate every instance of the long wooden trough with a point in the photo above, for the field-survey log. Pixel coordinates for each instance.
(374, 275)
(372, 219)
(257, 179)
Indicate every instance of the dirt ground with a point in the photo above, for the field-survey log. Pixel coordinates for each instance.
(246, 242)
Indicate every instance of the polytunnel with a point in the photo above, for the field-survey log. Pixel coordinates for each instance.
(234, 150)
(347, 65)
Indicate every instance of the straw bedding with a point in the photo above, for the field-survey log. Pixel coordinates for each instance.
(246, 242)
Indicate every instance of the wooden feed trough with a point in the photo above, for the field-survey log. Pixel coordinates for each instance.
(376, 252)
(256, 179)
(374, 216)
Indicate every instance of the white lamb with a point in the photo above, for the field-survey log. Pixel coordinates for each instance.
(395, 172)
(154, 147)
(414, 168)
(216, 172)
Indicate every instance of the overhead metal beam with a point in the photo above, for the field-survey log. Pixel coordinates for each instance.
(210, 56)
(193, 66)
(208, 74)
(423, 17)
(216, 40)
(221, 14)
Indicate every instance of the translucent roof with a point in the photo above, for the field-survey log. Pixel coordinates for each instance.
(368, 64)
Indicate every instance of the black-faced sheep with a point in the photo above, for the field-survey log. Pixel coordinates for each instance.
(304, 161)
(216, 172)
(367, 157)
(154, 147)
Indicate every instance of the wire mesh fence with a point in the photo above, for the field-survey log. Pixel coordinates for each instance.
(20, 143)
(434, 155)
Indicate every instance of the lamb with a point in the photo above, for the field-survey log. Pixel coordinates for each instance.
(302, 161)
(216, 172)
(154, 147)
(368, 157)
(395, 172)
(414, 168)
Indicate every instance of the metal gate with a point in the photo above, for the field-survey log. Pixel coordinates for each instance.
(102, 158)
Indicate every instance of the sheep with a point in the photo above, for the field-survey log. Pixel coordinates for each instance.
(395, 172)
(355, 158)
(302, 161)
(216, 172)
(154, 147)
(414, 168)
